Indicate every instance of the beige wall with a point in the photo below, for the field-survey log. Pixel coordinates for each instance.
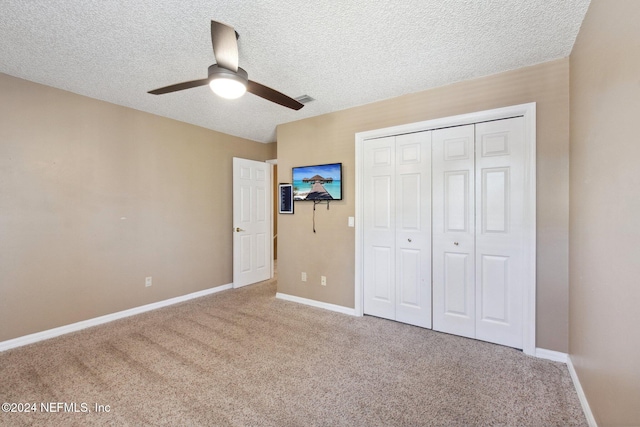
(605, 211)
(71, 169)
(330, 138)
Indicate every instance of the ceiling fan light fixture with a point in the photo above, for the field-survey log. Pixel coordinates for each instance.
(227, 88)
(226, 83)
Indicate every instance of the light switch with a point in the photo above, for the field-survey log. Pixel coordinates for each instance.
(352, 221)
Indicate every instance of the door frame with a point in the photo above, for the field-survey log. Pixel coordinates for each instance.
(528, 111)
(274, 203)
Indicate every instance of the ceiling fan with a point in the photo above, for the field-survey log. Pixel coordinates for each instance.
(226, 79)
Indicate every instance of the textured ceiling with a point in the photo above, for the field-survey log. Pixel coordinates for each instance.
(343, 53)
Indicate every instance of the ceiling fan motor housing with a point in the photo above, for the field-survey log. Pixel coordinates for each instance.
(217, 71)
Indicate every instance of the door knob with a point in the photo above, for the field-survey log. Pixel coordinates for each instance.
(455, 243)
(238, 229)
(409, 240)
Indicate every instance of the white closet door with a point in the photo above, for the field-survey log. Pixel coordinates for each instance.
(379, 228)
(413, 229)
(454, 231)
(499, 231)
(397, 228)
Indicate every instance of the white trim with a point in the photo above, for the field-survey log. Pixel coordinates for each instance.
(359, 261)
(271, 215)
(530, 225)
(274, 179)
(583, 398)
(556, 356)
(445, 122)
(528, 111)
(317, 304)
(73, 327)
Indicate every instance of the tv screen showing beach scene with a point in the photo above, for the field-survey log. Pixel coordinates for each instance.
(319, 182)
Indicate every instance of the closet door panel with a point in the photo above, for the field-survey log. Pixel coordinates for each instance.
(494, 294)
(413, 229)
(379, 228)
(382, 262)
(458, 301)
(500, 232)
(453, 230)
(456, 197)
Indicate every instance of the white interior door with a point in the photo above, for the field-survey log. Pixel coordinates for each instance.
(454, 231)
(397, 224)
(413, 229)
(478, 233)
(500, 235)
(379, 228)
(251, 222)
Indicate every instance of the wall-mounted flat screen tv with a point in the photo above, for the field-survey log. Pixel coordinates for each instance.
(319, 182)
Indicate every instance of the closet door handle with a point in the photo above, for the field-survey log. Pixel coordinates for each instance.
(409, 240)
(455, 243)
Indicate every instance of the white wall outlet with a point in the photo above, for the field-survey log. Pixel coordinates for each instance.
(323, 280)
(148, 281)
(304, 277)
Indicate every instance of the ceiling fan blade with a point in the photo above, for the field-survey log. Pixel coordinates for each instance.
(179, 86)
(273, 95)
(225, 45)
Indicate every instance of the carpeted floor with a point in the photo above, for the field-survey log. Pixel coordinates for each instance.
(244, 358)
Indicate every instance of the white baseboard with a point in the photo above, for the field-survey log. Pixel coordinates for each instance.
(565, 358)
(55, 332)
(583, 398)
(318, 304)
(556, 356)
